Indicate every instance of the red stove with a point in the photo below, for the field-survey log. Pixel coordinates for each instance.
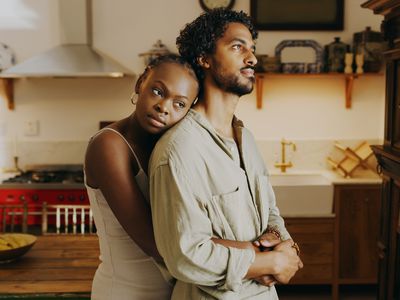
(53, 184)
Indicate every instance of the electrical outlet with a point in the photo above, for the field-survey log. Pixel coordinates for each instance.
(31, 128)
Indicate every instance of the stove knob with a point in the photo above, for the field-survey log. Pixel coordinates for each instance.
(82, 198)
(60, 197)
(35, 197)
(71, 197)
(22, 198)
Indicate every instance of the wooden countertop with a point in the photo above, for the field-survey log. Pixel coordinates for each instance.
(56, 264)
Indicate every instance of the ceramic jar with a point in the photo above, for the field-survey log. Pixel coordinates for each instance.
(334, 55)
(371, 45)
(272, 64)
(158, 49)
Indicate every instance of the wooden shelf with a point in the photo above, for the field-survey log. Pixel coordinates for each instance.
(6, 85)
(349, 80)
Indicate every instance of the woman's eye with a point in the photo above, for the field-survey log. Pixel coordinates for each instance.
(180, 104)
(237, 47)
(156, 92)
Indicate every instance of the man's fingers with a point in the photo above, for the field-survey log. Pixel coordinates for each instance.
(301, 265)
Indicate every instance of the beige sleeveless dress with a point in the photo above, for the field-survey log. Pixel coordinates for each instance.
(125, 271)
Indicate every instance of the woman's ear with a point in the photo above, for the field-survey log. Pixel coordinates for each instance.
(138, 84)
(203, 62)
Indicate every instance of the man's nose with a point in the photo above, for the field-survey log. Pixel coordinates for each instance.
(251, 58)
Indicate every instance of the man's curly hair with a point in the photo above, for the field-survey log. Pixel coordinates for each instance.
(199, 37)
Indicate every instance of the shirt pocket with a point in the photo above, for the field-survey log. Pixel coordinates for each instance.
(226, 209)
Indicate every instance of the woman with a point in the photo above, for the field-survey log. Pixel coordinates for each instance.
(116, 180)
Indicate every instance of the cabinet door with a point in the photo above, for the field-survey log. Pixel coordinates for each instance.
(315, 238)
(359, 207)
(395, 109)
(393, 273)
(390, 81)
(383, 237)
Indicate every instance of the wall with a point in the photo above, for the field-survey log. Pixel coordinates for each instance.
(68, 110)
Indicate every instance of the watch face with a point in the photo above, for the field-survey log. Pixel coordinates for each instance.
(7, 57)
(211, 4)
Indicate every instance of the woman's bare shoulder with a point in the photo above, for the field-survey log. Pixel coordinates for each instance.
(106, 152)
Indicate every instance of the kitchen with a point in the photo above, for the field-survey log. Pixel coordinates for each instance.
(53, 118)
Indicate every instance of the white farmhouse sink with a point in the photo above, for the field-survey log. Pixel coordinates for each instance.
(303, 194)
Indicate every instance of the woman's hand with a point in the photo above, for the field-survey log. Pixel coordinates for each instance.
(267, 242)
(267, 280)
(278, 257)
(235, 244)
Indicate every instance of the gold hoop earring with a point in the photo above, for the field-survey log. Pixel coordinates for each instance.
(134, 98)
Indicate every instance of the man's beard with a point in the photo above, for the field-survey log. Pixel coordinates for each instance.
(232, 84)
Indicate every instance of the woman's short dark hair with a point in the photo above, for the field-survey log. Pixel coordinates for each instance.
(166, 58)
(199, 37)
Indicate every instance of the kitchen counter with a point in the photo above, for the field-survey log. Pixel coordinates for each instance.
(6, 175)
(56, 265)
(361, 177)
(310, 194)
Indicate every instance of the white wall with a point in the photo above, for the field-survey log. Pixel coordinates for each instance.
(70, 109)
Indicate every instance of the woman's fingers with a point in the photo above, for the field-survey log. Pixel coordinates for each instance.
(266, 280)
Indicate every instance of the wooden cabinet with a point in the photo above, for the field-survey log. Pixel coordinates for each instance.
(388, 155)
(315, 237)
(357, 208)
(340, 250)
(389, 240)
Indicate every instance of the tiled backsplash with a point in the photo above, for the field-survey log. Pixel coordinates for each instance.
(44, 152)
(310, 154)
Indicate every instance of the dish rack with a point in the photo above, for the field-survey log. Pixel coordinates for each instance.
(353, 159)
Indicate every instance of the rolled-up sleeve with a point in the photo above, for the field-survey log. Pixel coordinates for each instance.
(183, 233)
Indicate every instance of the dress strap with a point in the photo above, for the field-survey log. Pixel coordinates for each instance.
(124, 139)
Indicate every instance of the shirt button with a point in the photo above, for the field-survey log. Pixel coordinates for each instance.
(232, 148)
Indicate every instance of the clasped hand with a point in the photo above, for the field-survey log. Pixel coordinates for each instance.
(286, 260)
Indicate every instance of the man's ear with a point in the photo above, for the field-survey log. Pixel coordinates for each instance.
(203, 62)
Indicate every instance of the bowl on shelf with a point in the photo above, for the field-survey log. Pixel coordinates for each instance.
(15, 245)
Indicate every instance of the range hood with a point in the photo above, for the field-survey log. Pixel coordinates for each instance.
(75, 57)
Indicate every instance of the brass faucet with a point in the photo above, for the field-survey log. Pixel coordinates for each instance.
(283, 164)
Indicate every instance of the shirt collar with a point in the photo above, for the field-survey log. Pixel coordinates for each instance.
(199, 118)
(203, 122)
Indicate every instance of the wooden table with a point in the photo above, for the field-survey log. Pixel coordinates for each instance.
(57, 264)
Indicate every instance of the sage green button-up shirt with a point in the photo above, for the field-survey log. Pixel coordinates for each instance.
(197, 192)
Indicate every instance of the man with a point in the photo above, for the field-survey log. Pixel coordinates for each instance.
(210, 192)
